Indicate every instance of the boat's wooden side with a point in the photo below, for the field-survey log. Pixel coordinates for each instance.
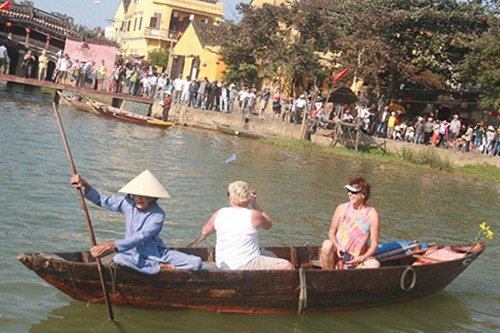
(131, 117)
(77, 103)
(75, 274)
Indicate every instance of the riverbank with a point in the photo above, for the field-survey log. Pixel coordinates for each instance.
(381, 150)
(277, 132)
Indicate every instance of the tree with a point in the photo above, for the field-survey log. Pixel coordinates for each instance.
(159, 58)
(388, 42)
(482, 67)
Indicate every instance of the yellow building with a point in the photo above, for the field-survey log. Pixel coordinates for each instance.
(196, 54)
(142, 26)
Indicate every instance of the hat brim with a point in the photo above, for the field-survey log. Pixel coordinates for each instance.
(145, 185)
(351, 188)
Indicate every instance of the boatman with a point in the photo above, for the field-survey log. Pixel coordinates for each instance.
(142, 248)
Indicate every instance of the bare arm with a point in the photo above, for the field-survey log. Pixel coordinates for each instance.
(259, 218)
(210, 226)
(374, 234)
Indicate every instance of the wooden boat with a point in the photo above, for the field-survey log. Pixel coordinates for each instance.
(78, 102)
(130, 117)
(307, 287)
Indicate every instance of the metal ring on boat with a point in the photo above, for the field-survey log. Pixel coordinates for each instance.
(403, 277)
(466, 262)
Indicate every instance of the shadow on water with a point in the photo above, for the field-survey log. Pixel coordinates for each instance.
(444, 311)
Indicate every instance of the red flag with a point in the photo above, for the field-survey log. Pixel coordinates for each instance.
(340, 75)
(5, 5)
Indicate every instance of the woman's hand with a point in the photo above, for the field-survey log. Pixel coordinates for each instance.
(99, 250)
(355, 261)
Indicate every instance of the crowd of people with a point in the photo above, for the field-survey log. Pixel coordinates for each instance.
(352, 238)
(376, 119)
(427, 129)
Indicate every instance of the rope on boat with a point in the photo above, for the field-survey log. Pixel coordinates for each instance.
(112, 274)
(403, 278)
(74, 286)
(303, 291)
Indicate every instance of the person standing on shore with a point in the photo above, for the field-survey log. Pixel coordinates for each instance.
(468, 138)
(3, 59)
(233, 94)
(454, 129)
(29, 62)
(63, 65)
(167, 103)
(101, 75)
(178, 83)
(419, 131)
(265, 95)
(428, 130)
(43, 63)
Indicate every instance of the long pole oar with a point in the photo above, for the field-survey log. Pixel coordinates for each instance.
(85, 212)
(198, 241)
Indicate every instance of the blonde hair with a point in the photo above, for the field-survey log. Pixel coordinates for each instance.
(239, 193)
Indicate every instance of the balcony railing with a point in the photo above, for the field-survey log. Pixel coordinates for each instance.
(161, 33)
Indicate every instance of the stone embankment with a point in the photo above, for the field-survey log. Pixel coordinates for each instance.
(253, 126)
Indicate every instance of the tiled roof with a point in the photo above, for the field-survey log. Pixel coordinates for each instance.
(207, 33)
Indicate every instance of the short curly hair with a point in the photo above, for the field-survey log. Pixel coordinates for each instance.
(361, 184)
(239, 193)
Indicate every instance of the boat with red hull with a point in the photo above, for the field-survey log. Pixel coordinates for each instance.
(130, 117)
(307, 287)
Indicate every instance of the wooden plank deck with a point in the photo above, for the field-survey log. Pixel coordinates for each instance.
(68, 87)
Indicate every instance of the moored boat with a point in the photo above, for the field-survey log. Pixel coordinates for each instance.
(131, 117)
(400, 279)
(78, 102)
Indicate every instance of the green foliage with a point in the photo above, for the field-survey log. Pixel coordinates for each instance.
(481, 171)
(159, 58)
(482, 66)
(388, 42)
(427, 157)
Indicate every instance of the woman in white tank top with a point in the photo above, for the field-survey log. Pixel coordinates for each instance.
(237, 244)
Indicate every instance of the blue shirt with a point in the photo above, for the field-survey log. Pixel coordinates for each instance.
(142, 248)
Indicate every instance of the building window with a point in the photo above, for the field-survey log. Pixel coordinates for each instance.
(155, 21)
(135, 24)
(140, 23)
(128, 25)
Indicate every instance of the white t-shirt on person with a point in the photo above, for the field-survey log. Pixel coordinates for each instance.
(237, 240)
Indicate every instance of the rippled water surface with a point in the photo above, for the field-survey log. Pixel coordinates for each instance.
(299, 190)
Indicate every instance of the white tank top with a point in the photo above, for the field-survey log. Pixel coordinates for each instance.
(237, 240)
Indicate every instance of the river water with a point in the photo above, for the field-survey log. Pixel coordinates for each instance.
(40, 212)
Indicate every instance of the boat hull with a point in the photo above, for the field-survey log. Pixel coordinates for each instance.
(247, 291)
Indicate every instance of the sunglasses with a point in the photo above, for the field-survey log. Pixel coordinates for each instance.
(353, 192)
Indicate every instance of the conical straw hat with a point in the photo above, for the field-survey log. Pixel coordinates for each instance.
(147, 185)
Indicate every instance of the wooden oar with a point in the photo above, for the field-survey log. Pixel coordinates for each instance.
(85, 212)
(198, 241)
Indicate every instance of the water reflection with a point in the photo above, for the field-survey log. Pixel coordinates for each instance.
(446, 313)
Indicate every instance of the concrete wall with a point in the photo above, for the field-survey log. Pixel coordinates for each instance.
(235, 123)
